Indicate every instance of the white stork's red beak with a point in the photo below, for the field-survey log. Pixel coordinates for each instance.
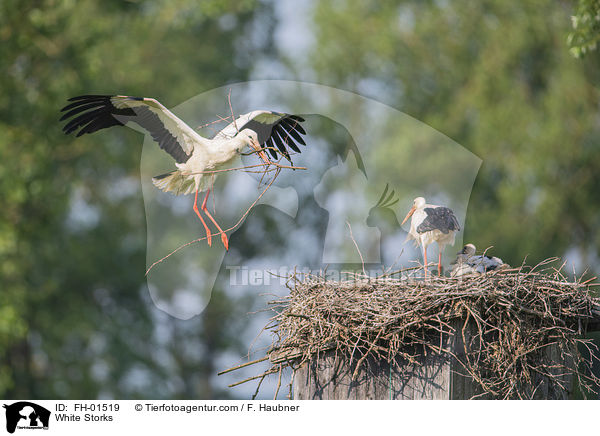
(256, 146)
(412, 210)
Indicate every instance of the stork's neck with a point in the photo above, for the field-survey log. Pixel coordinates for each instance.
(236, 144)
(228, 147)
(223, 150)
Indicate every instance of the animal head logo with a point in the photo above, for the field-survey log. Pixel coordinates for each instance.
(25, 414)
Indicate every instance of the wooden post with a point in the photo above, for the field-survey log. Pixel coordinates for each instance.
(434, 377)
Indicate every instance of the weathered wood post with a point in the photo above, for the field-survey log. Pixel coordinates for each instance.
(434, 376)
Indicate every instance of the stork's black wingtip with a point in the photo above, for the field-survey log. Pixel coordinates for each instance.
(90, 97)
(68, 130)
(82, 97)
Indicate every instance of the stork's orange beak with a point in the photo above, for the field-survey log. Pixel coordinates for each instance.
(261, 152)
(412, 210)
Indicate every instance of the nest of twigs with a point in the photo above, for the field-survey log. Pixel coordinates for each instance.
(514, 318)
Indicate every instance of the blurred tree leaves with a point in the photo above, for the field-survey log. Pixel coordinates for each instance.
(586, 28)
(75, 318)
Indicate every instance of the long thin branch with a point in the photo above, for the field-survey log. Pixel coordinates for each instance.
(235, 226)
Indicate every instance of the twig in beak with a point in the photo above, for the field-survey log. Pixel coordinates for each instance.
(261, 153)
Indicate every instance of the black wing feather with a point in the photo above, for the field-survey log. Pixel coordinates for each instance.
(439, 218)
(84, 119)
(96, 112)
(76, 104)
(279, 135)
(279, 142)
(151, 122)
(88, 97)
(92, 126)
(270, 147)
(295, 134)
(81, 106)
(295, 125)
(287, 139)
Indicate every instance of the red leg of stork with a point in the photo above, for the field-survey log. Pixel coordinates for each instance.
(223, 234)
(440, 263)
(425, 258)
(208, 235)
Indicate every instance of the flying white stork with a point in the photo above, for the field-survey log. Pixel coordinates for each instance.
(196, 157)
(467, 262)
(431, 223)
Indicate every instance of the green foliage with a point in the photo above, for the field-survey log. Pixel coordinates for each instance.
(586, 28)
(75, 317)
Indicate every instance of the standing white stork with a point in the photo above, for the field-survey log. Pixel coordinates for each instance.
(431, 223)
(467, 262)
(196, 157)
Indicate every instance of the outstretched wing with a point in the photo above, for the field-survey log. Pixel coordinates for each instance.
(439, 218)
(90, 113)
(277, 132)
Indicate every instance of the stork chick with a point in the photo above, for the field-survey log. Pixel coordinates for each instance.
(467, 262)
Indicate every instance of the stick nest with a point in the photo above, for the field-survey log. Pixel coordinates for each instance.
(519, 328)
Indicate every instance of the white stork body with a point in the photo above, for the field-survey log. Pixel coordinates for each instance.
(197, 172)
(196, 158)
(467, 262)
(431, 223)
